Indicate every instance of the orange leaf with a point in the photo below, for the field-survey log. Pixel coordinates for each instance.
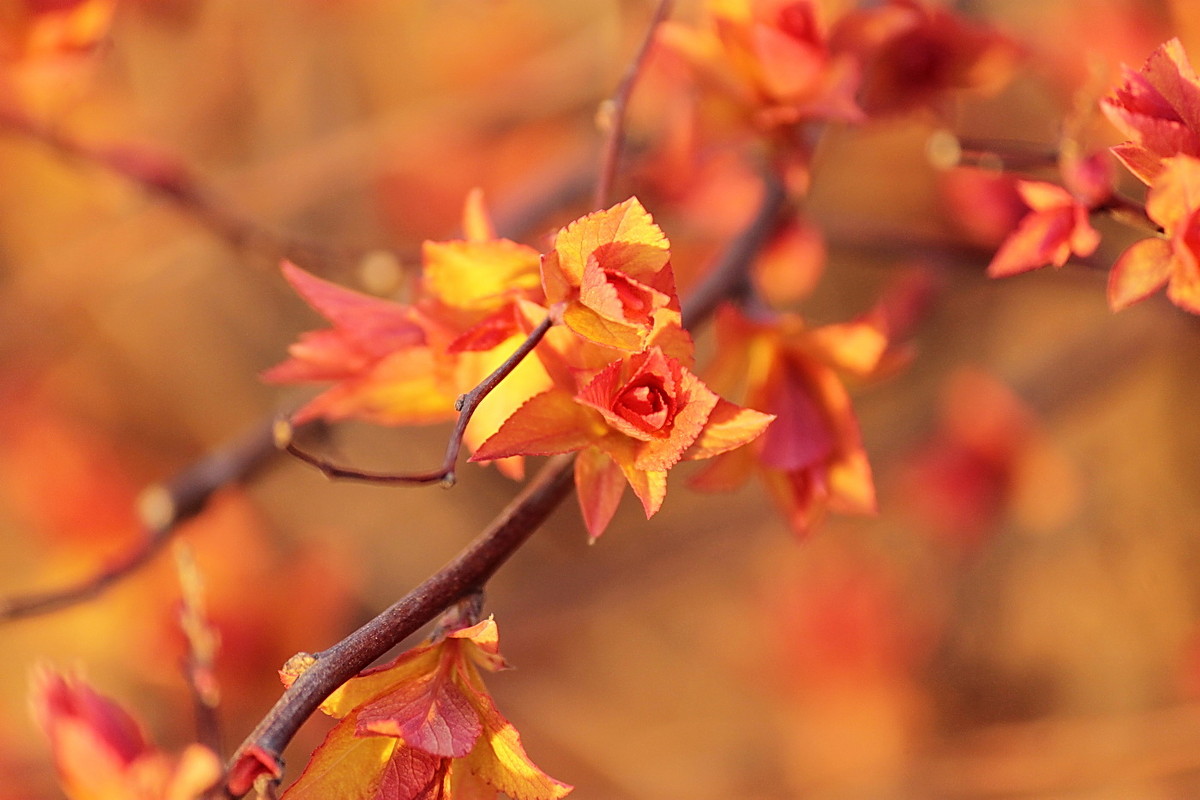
(1140, 271)
(405, 388)
(625, 223)
(590, 325)
(432, 734)
(1175, 193)
(728, 427)
(600, 484)
(484, 637)
(852, 346)
(650, 486)
(1045, 236)
(375, 325)
(101, 754)
(548, 423)
(851, 484)
(477, 224)
(791, 265)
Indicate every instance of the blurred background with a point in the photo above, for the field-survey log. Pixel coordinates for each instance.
(1020, 620)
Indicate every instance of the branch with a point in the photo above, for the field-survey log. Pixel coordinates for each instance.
(614, 110)
(162, 508)
(1129, 212)
(162, 174)
(946, 150)
(260, 753)
(729, 278)
(466, 574)
(465, 405)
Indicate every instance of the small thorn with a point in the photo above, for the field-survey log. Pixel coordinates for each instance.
(460, 402)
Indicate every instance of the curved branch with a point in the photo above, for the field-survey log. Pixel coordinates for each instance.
(260, 753)
(617, 107)
(467, 573)
(162, 507)
(159, 173)
(1129, 212)
(465, 406)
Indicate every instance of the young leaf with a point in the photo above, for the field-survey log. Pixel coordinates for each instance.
(1158, 108)
(426, 730)
(101, 754)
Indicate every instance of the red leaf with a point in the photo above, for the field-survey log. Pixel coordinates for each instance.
(430, 713)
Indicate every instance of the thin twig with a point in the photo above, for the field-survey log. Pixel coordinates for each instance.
(162, 508)
(1129, 212)
(1009, 155)
(470, 570)
(729, 278)
(616, 109)
(465, 405)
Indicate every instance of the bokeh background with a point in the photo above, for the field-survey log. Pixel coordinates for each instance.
(1020, 620)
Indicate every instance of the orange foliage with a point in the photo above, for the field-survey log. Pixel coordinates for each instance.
(423, 727)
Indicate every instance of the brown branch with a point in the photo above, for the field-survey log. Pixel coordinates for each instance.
(465, 405)
(729, 278)
(164, 175)
(464, 575)
(260, 753)
(162, 508)
(947, 150)
(615, 110)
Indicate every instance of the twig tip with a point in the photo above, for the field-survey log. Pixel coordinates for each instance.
(283, 432)
(156, 507)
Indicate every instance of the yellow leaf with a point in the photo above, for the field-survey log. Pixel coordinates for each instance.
(345, 766)
(627, 222)
(852, 346)
(593, 327)
(478, 275)
(1175, 193)
(499, 759)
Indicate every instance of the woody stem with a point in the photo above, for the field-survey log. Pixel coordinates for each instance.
(619, 105)
(472, 568)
